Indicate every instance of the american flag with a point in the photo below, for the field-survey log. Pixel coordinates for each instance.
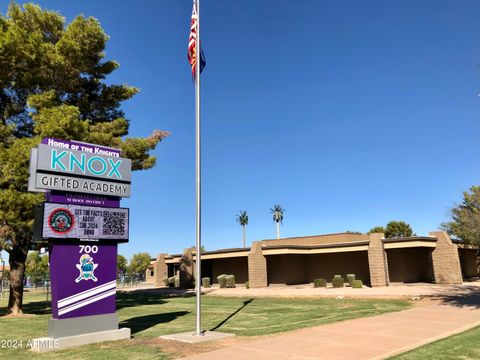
(192, 43)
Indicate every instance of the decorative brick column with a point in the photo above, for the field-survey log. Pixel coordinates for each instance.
(186, 269)
(445, 259)
(377, 261)
(148, 275)
(160, 270)
(257, 266)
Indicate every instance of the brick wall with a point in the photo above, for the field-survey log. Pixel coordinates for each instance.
(186, 269)
(469, 262)
(286, 269)
(410, 265)
(231, 266)
(327, 265)
(257, 266)
(159, 270)
(149, 275)
(377, 261)
(446, 263)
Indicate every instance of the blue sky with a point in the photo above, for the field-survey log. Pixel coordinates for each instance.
(348, 114)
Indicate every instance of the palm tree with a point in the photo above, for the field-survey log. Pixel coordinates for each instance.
(277, 214)
(242, 219)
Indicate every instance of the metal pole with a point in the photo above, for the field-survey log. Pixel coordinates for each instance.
(198, 277)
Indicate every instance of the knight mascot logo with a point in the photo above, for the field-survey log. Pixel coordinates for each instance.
(86, 268)
(61, 221)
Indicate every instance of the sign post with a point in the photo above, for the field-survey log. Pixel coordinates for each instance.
(82, 222)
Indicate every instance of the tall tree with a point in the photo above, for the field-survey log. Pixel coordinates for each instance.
(398, 229)
(277, 215)
(37, 267)
(242, 219)
(52, 84)
(121, 264)
(140, 263)
(194, 249)
(376, 229)
(465, 224)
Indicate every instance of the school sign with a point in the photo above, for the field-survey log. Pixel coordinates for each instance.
(82, 223)
(71, 170)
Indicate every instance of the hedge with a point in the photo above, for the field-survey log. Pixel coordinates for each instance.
(357, 284)
(206, 282)
(222, 281)
(350, 278)
(230, 279)
(337, 282)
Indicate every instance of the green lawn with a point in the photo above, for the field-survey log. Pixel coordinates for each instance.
(463, 346)
(150, 315)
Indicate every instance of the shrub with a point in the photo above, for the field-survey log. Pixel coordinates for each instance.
(350, 278)
(166, 282)
(337, 282)
(171, 281)
(177, 281)
(230, 279)
(319, 283)
(206, 282)
(247, 285)
(222, 281)
(357, 284)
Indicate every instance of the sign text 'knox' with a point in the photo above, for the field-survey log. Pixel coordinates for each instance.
(77, 163)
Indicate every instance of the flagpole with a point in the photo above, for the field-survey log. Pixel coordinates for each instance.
(198, 277)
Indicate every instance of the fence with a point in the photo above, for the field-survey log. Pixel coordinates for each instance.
(129, 281)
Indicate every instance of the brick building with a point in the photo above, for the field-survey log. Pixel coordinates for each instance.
(375, 260)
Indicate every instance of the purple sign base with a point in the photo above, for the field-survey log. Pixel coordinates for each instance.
(83, 279)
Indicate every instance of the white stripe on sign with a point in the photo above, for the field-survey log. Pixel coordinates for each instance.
(86, 302)
(88, 293)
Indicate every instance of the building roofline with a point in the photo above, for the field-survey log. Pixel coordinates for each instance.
(229, 250)
(220, 251)
(318, 246)
(309, 247)
(314, 236)
(410, 238)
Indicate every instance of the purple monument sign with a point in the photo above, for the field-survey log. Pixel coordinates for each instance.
(83, 278)
(83, 223)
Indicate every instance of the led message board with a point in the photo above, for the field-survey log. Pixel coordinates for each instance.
(65, 221)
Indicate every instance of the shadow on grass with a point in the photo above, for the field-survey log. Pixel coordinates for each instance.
(34, 308)
(245, 303)
(140, 323)
(124, 299)
(149, 296)
(129, 299)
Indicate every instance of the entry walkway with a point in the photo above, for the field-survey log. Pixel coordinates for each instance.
(382, 292)
(376, 337)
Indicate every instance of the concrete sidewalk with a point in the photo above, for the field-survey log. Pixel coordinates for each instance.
(384, 292)
(394, 291)
(376, 337)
